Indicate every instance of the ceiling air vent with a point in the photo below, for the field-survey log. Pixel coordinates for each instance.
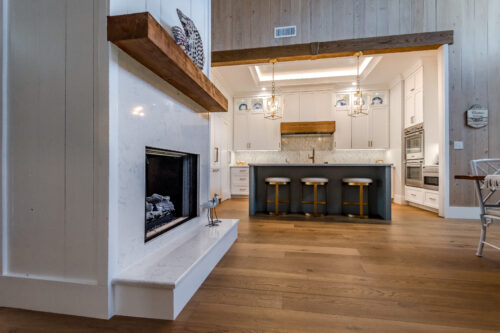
(290, 31)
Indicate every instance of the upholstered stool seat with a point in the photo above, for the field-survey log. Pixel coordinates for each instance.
(314, 180)
(362, 183)
(316, 183)
(276, 182)
(357, 180)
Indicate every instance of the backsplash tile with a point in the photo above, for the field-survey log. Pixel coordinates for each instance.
(305, 142)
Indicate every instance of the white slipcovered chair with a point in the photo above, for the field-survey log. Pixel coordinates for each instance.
(488, 194)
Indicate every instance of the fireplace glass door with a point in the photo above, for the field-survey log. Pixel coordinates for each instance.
(171, 190)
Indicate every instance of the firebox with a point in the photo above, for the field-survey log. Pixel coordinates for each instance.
(171, 190)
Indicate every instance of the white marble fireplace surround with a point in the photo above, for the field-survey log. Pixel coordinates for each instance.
(146, 111)
(86, 111)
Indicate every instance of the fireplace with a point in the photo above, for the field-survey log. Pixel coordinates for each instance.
(171, 190)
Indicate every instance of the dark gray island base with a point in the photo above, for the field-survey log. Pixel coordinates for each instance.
(379, 192)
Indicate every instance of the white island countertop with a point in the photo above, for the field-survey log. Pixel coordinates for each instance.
(321, 164)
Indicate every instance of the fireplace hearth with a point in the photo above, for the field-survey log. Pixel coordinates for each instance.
(171, 190)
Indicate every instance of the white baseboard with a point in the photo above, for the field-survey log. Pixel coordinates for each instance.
(455, 212)
(399, 199)
(430, 209)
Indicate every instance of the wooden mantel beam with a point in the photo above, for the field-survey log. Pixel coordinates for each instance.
(145, 40)
(339, 48)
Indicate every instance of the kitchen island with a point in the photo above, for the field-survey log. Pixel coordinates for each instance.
(379, 192)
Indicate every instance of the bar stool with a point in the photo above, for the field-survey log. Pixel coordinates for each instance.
(362, 183)
(276, 182)
(315, 182)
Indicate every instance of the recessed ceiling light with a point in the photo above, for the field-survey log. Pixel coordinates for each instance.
(354, 83)
(264, 88)
(351, 71)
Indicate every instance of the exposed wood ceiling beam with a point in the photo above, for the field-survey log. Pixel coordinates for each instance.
(340, 48)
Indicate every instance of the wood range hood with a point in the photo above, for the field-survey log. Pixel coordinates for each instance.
(308, 127)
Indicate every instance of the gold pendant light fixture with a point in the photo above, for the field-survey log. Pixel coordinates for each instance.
(358, 108)
(274, 105)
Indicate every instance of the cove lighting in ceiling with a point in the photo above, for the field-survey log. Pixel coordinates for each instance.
(316, 74)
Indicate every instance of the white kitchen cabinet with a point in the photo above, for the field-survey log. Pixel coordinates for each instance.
(419, 107)
(291, 110)
(360, 127)
(257, 131)
(342, 135)
(431, 199)
(316, 106)
(414, 195)
(307, 106)
(423, 197)
(254, 132)
(379, 127)
(220, 146)
(239, 180)
(323, 105)
(240, 133)
(414, 100)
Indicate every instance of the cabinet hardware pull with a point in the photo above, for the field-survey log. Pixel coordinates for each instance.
(216, 155)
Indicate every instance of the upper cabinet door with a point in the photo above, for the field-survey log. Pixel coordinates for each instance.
(316, 106)
(273, 134)
(342, 135)
(291, 111)
(263, 134)
(379, 117)
(410, 85)
(257, 132)
(409, 111)
(419, 79)
(240, 134)
(360, 132)
(307, 106)
(323, 105)
(419, 107)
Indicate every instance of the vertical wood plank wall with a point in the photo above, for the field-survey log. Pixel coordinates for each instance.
(52, 222)
(474, 65)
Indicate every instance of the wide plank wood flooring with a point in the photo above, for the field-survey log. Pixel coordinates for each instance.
(419, 274)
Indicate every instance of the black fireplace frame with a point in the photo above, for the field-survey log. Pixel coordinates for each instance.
(194, 185)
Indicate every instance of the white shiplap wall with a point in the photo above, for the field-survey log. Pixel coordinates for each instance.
(54, 156)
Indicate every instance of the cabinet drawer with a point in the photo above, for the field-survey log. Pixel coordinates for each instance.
(239, 180)
(415, 195)
(239, 190)
(239, 172)
(431, 199)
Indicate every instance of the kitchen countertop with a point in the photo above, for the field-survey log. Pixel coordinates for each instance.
(321, 165)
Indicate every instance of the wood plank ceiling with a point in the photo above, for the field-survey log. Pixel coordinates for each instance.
(474, 68)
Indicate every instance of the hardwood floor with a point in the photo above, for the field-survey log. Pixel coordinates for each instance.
(419, 274)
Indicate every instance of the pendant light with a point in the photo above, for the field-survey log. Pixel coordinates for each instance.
(358, 101)
(274, 105)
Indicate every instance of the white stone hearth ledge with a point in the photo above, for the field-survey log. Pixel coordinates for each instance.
(161, 284)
